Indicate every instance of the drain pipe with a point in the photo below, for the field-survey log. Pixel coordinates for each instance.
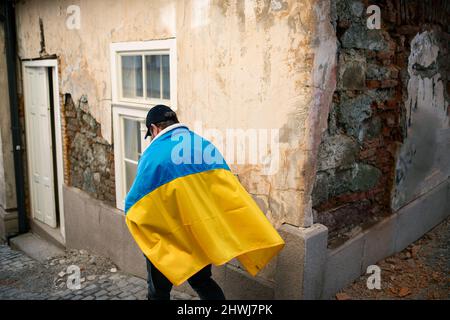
(10, 46)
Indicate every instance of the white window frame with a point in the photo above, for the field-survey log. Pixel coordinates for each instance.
(128, 108)
(119, 113)
(157, 47)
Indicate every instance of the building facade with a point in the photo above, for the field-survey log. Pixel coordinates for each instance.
(338, 127)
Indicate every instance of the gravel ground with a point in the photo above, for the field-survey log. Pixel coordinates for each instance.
(22, 278)
(421, 271)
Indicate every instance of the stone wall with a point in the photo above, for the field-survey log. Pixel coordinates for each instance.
(89, 157)
(367, 123)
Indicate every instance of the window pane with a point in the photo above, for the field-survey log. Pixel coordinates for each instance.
(130, 174)
(166, 76)
(132, 139)
(153, 71)
(132, 86)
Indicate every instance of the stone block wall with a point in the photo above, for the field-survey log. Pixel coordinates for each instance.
(367, 122)
(89, 158)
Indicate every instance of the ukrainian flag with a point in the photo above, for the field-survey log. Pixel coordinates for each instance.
(186, 209)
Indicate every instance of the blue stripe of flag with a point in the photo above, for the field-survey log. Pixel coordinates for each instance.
(177, 153)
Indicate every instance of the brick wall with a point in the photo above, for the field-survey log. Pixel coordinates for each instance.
(88, 158)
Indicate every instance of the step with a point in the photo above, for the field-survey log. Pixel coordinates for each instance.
(35, 247)
(52, 235)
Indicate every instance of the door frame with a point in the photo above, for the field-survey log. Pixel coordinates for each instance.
(53, 65)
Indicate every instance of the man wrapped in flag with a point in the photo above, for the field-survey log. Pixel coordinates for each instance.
(186, 211)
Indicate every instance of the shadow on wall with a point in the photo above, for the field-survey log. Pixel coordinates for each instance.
(424, 158)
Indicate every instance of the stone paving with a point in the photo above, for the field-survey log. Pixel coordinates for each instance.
(24, 278)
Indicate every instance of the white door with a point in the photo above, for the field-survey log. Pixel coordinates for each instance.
(39, 144)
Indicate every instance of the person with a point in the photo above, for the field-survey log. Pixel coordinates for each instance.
(187, 211)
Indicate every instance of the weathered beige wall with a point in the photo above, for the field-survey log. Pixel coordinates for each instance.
(7, 181)
(253, 64)
(84, 53)
(241, 64)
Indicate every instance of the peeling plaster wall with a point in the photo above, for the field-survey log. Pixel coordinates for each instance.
(424, 158)
(257, 64)
(90, 158)
(259, 67)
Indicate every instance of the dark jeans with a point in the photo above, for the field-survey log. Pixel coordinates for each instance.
(159, 286)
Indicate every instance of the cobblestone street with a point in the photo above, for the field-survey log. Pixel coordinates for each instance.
(24, 278)
(421, 271)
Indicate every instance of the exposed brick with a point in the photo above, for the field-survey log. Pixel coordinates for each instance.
(389, 83)
(385, 72)
(88, 158)
(385, 55)
(373, 84)
(368, 153)
(392, 104)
